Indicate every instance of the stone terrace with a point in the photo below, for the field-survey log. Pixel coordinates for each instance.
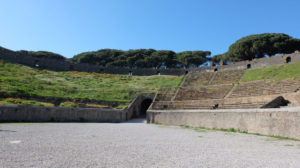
(227, 77)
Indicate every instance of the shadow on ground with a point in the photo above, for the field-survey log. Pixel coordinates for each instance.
(137, 120)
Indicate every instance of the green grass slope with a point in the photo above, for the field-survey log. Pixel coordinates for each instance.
(273, 73)
(22, 80)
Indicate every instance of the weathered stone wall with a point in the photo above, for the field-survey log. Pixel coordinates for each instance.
(278, 122)
(17, 113)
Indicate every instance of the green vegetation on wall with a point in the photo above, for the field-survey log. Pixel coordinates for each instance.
(24, 102)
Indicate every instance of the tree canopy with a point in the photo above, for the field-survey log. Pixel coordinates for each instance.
(193, 58)
(261, 45)
(246, 48)
(42, 54)
(143, 58)
(217, 58)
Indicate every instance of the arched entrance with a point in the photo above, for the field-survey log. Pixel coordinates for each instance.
(144, 107)
(288, 60)
(249, 66)
(139, 106)
(36, 63)
(158, 73)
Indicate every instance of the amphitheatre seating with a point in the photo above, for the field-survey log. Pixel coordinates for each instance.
(203, 92)
(258, 88)
(227, 77)
(213, 78)
(204, 104)
(196, 79)
(221, 90)
(242, 105)
(165, 94)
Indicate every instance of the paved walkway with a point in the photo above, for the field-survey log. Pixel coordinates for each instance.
(136, 144)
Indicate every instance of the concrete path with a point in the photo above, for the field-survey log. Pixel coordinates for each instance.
(136, 144)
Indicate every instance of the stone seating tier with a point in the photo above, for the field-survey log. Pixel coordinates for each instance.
(213, 78)
(196, 79)
(203, 92)
(212, 104)
(165, 94)
(227, 77)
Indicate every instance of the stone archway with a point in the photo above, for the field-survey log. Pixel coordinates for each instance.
(288, 60)
(36, 63)
(139, 106)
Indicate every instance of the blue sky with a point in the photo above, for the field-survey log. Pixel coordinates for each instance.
(69, 27)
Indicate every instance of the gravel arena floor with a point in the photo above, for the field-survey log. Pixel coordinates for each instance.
(137, 144)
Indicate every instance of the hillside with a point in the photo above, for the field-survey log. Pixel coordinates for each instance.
(18, 80)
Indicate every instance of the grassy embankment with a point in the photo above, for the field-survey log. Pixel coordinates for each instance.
(22, 80)
(273, 73)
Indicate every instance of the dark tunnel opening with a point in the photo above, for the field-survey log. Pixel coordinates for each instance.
(144, 107)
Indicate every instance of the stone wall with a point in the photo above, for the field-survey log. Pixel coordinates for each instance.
(18, 113)
(276, 122)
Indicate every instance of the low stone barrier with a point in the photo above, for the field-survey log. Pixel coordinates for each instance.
(20, 113)
(283, 122)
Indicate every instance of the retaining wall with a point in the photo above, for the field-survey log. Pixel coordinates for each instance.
(278, 122)
(19, 113)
